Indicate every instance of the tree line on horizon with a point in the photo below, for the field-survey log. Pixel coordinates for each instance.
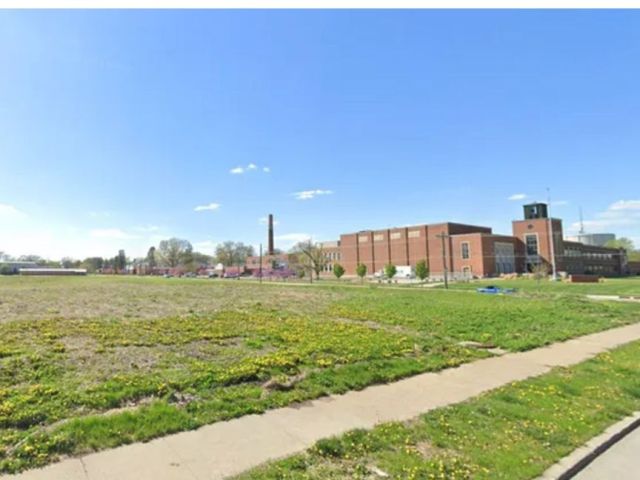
(170, 253)
(307, 258)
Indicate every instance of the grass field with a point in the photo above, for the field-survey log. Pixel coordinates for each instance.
(515, 432)
(93, 362)
(608, 286)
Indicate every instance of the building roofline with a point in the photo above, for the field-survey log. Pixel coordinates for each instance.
(417, 225)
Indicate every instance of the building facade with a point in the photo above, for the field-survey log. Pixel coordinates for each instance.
(468, 251)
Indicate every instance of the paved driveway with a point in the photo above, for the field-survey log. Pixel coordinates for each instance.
(620, 462)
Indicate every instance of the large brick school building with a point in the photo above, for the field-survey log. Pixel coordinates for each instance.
(467, 251)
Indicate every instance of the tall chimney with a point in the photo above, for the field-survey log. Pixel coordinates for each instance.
(271, 249)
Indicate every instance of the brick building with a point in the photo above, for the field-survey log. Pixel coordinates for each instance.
(467, 251)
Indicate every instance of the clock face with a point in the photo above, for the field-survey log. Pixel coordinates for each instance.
(530, 226)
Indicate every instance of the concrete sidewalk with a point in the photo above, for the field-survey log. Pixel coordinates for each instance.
(227, 448)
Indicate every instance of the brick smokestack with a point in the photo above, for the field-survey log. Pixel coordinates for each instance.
(271, 249)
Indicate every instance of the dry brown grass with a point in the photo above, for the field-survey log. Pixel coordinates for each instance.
(133, 297)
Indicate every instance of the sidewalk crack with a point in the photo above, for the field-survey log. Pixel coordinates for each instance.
(84, 468)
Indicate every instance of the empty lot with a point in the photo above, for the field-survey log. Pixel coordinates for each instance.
(93, 362)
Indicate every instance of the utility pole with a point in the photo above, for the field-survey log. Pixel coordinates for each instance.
(260, 269)
(442, 236)
(311, 262)
(554, 273)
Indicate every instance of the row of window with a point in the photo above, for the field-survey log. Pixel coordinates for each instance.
(332, 255)
(593, 255)
(599, 269)
(379, 237)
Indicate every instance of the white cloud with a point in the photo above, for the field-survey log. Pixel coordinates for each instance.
(265, 220)
(620, 215)
(517, 196)
(99, 214)
(114, 233)
(147, 228)
(55, 240)
(309, 194)
(288, 240)
(252, 166)
(209, 207)
(625, 205)
(10, 212)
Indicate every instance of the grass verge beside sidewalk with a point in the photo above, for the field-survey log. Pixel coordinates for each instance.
(514, 432)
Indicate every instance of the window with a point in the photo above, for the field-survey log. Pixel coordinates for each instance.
(378, 237)
(414, 234)
(465, 250)
(395, 235)
(531, 241)
(363, 238)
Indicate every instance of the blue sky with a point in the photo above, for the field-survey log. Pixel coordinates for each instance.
(116, 125)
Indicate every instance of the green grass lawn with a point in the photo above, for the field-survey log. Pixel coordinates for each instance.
(515, 432)
(94, 362)
(608, 286)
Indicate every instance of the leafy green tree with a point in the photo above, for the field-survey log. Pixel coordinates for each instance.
(6, 270)
(92, 264)
(172, 251)
(67, 262)
(186, 259)
(628, 245)
(422, 270)
(32, 258)
(338, 270)
(151, 258)
(121, 261)
(390, 271)
(361, 271)
(202, 259)
(233, 253)
(622, 242)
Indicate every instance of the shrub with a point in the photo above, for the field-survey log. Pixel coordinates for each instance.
(361, 270)
(390, 271)
(422, 270)
(338, 270)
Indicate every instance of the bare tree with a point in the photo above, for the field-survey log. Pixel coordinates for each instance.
(540, 271)
(310, 256)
